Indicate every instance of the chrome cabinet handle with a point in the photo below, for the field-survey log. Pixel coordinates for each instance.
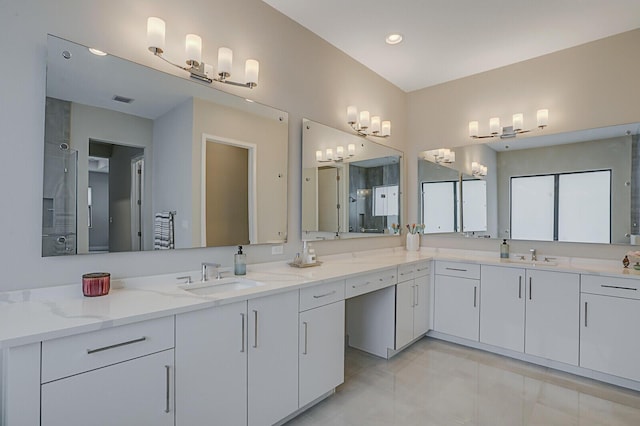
(324, 295)
(361, 285)
(407, 273)
(242, 347)
(417, 295)
(520, 287)
(618, 287)
(530, 279)
(306, 325)
(456, 269)
(413, 296)
(255, 326)
(117, 345)
(475, 296)
(585, 314)
(168, 391)
(391, 277)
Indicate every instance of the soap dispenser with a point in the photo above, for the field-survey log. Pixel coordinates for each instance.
(240, 262)
(504, 250)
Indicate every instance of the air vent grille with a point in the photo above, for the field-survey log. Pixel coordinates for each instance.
(122, 99)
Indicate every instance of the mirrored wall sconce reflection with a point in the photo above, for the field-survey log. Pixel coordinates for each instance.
(516, 127)
(195, 67)
(366, 125)
(328, 156)
(478, 170)
(438, 156)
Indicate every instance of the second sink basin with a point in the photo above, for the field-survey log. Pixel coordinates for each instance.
(220, 286)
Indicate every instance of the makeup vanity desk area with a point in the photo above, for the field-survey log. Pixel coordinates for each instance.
(262, 355)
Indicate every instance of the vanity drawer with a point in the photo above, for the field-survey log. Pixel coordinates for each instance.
(406, 272)
(423, 268)
(71, 355)
(609, 286)
(320, 295)
(371, 282)
(457, 269)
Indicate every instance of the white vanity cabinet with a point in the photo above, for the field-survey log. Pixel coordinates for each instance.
(609, 318)
(502, 298)
(237, 364)
(552, 312)
(412, 302)
(457, 296)
(211, 366)
(117, 376)
(321, 340)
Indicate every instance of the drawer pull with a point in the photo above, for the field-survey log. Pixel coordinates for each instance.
(417, 295)
(242, 349)
(618, 287)
(422, 269)
(168, 394)
(520, 287)
(361, 285)
(585, 313)
(324, 295)
(255, 328)
(456, 269)
(306, 328)
(407, 273)
(390, 278)
(530, 279)
(117, 345)
(475, 297)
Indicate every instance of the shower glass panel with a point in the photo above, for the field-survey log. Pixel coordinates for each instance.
(59, 203)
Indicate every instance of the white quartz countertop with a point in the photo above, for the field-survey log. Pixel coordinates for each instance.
(28, 316)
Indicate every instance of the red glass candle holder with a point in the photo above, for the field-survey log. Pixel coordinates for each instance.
(96, 284)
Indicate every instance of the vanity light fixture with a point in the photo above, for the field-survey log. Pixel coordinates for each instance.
(196, 68)
(516, 128)
(328, 157)
(365, 125)
(441, 155)
(478, 170)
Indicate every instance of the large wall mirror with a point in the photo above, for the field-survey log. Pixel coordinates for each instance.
(579, 186)
(350, 185)
(137, 159)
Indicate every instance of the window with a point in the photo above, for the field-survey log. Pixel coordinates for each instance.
(560, 207)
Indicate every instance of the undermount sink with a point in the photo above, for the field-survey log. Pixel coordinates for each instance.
(529, 262)
(220, 286)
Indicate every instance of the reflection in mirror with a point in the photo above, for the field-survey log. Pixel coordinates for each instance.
(572, 187)
(350, 185)
(136, 159)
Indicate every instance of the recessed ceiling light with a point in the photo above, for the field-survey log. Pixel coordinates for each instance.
(97, 52)
(393, 38)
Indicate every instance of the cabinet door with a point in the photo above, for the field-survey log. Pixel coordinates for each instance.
(421, 308)
(552, 315)
(502, 315)
(456, 306)
(405, 301)
(273, 358)
(211, 366)
(136, 392)
(321, 351)
(607, 342)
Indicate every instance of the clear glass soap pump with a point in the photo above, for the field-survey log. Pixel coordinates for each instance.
(240, 262)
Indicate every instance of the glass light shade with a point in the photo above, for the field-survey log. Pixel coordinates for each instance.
(340, 151)
(451, 157)
(542, 117)
(494, 125)
(225, 60)
(386, 128)
(318, 155)
(352, 114)
(155, 34)
(193, 48)
(474, 167)
(473, 129)
(251, 70)
(484, 170)
(375, 124)
(518, 121)
(329, 154)
(441, 153)
(351, 149)
(365, 120)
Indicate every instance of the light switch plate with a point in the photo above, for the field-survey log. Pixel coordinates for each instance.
(277, 249)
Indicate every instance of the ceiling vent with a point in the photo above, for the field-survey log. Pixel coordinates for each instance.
(122, 99)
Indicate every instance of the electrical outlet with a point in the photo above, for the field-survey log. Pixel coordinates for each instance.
(277, 249)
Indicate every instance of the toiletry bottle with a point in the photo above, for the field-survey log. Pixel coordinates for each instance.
(240, 262)
(504, 250)
(311, 255)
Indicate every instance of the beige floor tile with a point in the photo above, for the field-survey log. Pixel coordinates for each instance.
(436, 383)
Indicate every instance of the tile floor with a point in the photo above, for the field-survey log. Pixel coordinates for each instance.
(439, 383)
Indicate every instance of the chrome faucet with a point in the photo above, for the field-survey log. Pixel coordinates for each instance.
(205, 270)
(534, 256)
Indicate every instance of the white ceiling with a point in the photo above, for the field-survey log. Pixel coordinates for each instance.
(449, 39)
